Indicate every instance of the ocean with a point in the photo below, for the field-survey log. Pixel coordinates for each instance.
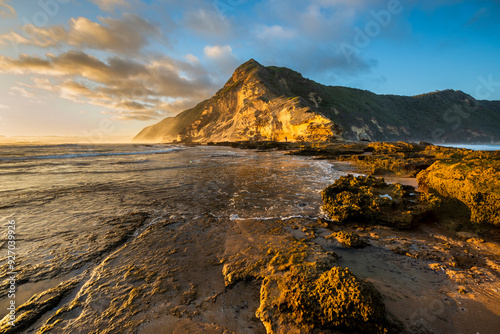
(69, 201)
(483, 147)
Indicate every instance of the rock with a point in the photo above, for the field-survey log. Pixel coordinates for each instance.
(370, 200)
(348, 239)
(466, 235)
(311, 298)
(469, 181)
(31, 311)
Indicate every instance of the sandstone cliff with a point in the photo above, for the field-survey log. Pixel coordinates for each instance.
(275, 103)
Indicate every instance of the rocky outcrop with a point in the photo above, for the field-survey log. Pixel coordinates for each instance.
(310, 299)
(303, 289)
(365, 199)
(275, 103)
(471, 178)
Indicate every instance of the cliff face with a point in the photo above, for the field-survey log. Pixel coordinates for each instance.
(273, 103)
(249, 107)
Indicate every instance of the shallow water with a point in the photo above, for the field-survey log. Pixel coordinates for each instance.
(69, 201)
(475, 147)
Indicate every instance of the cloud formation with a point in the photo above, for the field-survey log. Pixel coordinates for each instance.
(6, 10)
(109, 5)
(222, 58)
(125, 88)
(112, 62)
(144, 87)
(208, 22)
(126, 35)
(17, 90)
(218, 52)
(274, 32)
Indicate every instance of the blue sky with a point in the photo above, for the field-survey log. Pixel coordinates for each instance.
(104, 69)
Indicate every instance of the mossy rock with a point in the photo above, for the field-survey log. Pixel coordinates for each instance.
(310, 299)
(473, 179)
(371, 200)
(348, 239)
(392, 147)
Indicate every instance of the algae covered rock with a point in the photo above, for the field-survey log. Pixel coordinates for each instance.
(311, 298)
(348, 239)
(471, 178)
(371, 200)
(303, 290)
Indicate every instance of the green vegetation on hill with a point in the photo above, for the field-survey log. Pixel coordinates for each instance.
(453, 115)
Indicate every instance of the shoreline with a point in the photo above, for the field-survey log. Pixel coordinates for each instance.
(430, 277)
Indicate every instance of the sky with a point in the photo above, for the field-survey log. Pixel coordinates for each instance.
(105, 69)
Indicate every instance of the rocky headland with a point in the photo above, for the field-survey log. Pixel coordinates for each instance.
(260, 103)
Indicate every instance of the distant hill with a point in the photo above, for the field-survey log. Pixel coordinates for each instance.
(277, 103)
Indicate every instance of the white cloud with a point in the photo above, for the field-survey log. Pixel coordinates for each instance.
(16, 90)
(128, 34)
(208, 22)
(218, 52)
(109, 5)
(222, 58)
(129, 89)
(274, 32)
(3, 106)
(192, 59)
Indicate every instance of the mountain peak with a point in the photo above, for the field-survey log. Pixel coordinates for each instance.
(246, 69)
(250, 63)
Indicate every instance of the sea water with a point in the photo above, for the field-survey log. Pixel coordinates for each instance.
(475, 147)
(67, 200)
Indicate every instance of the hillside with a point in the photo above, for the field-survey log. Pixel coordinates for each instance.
(276, 103)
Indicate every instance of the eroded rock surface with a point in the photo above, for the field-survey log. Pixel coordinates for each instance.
(472, 179)
(371, 200)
